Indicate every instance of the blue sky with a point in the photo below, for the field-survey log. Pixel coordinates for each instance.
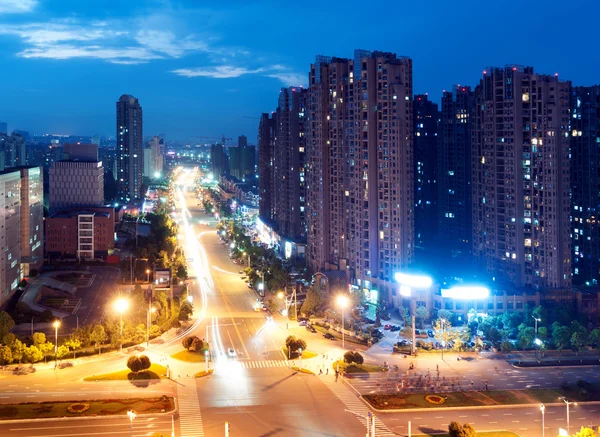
(207, 68)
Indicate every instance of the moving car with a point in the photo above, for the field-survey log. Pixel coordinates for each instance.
(329, 336)
(302, 323)
(231, 352)
(311, 328)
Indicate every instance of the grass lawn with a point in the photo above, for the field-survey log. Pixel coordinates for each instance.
(105, 407)
(203, 373)
(156, 371)
(357, 368)
(305, 354)
(479, 434)
(338, 335)
(464, 399)
(190, 357)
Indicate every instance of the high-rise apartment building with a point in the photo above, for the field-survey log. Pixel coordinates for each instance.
(10, 233)
(521, 176)
(13, 151)
(289, 203)
(218, 160)
(130, 164)
(266, 182)
(426, 117)
(360, 168)
(75, 184)
(454, 170)
(585, 184)
(80, 152)
(32, 219)
(156, 146)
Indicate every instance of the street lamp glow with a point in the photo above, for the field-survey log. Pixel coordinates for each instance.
(190, 299)
(280, 295)
(56, 324)
(538, 342)
(342, 301)
(121, 305)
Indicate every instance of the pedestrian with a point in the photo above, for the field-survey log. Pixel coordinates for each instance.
(437, 368)
(327, 371)
(337, 373)
(486, 386)
(320, 370)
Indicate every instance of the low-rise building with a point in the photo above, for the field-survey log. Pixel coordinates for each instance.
(83, 234)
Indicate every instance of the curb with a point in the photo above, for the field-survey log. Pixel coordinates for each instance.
(66, 419)
(472, 407)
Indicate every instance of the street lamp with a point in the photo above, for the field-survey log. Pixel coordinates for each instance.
(569, 403)
(148, 275)
(131, 416)
(342, 301)
(443, 325)
(56, 324)
(247, 254)
(121, 306)
(536, 322)
(543, 410)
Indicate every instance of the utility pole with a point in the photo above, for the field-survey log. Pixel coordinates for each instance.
(414, 326)
(227, 428)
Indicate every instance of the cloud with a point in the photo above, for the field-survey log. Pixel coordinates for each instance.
(217, 72)
(289, 79)
(109, 41)
(276, 71)
(17, 6)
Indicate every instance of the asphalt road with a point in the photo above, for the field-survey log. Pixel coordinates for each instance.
(142, 426)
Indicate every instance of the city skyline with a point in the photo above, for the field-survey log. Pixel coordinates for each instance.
(214, 78)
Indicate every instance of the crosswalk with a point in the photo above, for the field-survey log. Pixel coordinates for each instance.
(263, 364)
(355, 405)
(190, 417)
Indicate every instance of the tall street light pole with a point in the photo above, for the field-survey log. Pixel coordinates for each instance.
(342, 301)
(56, 324)
(131, 416)
(569, 403)
(543, 410)
(151, 309)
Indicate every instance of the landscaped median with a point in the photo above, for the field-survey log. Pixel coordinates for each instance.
(156, 371)
(203, 373)
(106, 407)
(356, 368)
(479, 434)
(298, 369)
(189, 357)
(469, 399)
(294, 356)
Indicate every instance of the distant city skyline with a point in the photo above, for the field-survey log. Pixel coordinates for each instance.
(212, 70)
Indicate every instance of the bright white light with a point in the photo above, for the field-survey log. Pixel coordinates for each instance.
(121, 305)
(190, 298)
(414, 281)
(538, 341)
(405, 290)
(261, 286)
(232, 245)
(157, 175)
(466, 292)
(342, 301)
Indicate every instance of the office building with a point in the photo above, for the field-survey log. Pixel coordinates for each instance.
(266, 138)
(86, 233)
(10, 233)
(75, 184)
(32, 219)
(454, 170)
(130, 165)
(360, 169)
(13, 151)
(426, 117)
(585, 184)
(520, 178)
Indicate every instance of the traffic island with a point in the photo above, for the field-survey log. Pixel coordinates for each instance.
(479, 434)
(350, 369)
(190, 357)
(101, 407)
(294, 356)
(203, 373)
(156, 371)
(389, 402)
(303, 370)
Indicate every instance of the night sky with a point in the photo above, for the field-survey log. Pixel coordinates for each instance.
(207, 68)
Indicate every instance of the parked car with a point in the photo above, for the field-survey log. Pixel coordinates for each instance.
(368, 321)
(311, 328)
(303, 319)
(387, 327)
(250, 286)
(430, 333)
(394, 328)
(302, 323)
(329, 336)
(377, 333)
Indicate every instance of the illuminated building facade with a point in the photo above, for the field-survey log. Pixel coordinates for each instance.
(130, 158)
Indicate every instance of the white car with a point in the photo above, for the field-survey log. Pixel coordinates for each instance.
(231, 352)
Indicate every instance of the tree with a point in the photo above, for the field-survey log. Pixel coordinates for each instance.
(197, 344)
(98, 336)
(17, 350)
(185, 311)
(293, 344)
(455, 429)
(594, 339)
(351, 357)
(33, 354)
(38, 338)
(442, 332)
(561, 336)
(9, 339)
(6, 356)
(577, 342)
(6, 323)
(404, 315)
(468, 430)
(312, 302)
(145, 362)
(62, 352)
(134, 363)
(46, 348)
(73, 344)
(421, 314)
(526, 336)
(187, 341)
